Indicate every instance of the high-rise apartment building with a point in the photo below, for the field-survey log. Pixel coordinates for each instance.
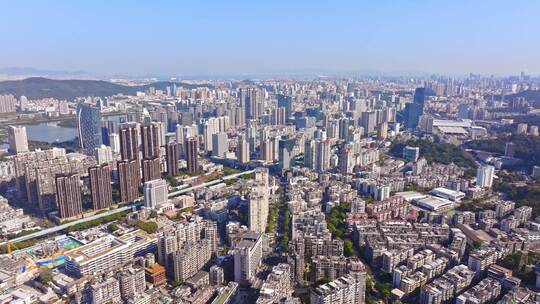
(114, 142)
(369, 122)
(129, 141)
(242, 151)
(322, 155)
(68, 195)
(151, 169)
(344, 290)
(192, 155)
(286, 147)
(172, 155)
(128, 172)
(220, 145)
(287, 103)
(132, 282)
(484, 176)
(18, 141)
(247, 257)
(100, 186)
(258, 209)
(150, 140)
(103, 154)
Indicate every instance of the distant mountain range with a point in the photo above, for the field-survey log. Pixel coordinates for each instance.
(39, 87)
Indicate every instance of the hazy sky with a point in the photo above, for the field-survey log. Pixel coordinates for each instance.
(235, 37)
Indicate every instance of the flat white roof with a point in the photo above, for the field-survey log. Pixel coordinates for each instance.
(411, 195)
(434, 203)
(447, 191)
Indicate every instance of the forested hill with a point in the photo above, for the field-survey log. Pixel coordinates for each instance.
(38, 87)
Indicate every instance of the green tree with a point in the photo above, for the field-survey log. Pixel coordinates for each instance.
(45, 275)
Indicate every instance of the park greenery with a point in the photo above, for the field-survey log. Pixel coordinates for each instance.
(11, 236)
(148, 227)
(119, 216)
(272, 218)
(336, 223)
(526, 148)
(45, 275)
(522, 195)
(286, 228)
(444, 153)
(525, 272)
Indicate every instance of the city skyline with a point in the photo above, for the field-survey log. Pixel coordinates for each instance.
(241, 39)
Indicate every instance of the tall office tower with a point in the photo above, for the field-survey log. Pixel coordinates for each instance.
(155, 193)
(322, 155)
(510, 149)
(103, 154)
(68, 195)
(192, 155)
(369, 122)
(258, 210)
(128, 172)
(382, 131)
(172, 155)
(18, 142)
(151, 169)
(150, 137)
(100, 186)
(129, 142)
(309, 153)
(242, 151)
(344, 125)
(286, 147)
(414, 110)
(114, 142)
(247, 258)
(220, 146)
(484, 176)
(267, 150)
(89, 122)
(287, 103)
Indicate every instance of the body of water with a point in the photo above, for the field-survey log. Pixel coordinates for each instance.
(50, 132)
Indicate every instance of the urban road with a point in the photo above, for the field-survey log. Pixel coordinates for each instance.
(136, 204)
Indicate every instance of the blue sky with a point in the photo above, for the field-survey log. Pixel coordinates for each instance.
(263, 37)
